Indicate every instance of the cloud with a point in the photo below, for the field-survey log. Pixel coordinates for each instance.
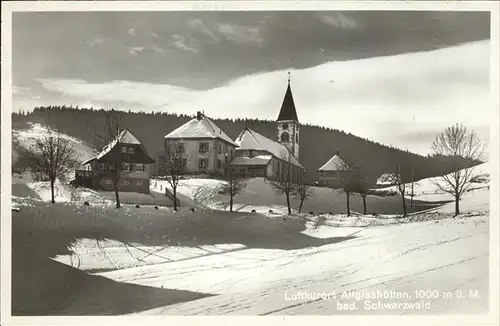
(135, 50)
(400, 100)
(96, 41)
(240, 34)
(131, 32)
(158, 49)
(339, 20)
(198, 25)
(183, 43)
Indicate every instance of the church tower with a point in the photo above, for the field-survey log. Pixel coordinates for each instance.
(288, 123)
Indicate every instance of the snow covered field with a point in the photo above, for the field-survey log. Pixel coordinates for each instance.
(260, 196)
(427, 189)
(245, 263)
(73, 259)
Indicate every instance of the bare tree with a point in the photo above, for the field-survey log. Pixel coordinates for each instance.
(412, 187)
(459, 142)
(109, 135)
(175, 165)
(302, 193)
(398, 178)
(54, 157)
(233, 187)
(354, 178)
(285, 185)
(361, 185)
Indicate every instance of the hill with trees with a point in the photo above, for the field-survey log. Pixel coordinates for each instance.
(317, 144)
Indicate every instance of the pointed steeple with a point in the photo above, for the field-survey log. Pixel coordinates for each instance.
(288, 111)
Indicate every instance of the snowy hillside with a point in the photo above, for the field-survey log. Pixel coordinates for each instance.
(157, 262)
(260, 196)
(427, 189)
(26, 137)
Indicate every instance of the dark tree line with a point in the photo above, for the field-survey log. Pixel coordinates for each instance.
(317, 144)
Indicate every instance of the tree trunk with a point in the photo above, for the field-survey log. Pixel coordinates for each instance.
(288, 204)
(404, 206)
(364, 203)
(53, 200)
(348, 207)
(117, 197)
(174, 190)
(301, 203)
(115, 186)
(231, 202)
(457, 205)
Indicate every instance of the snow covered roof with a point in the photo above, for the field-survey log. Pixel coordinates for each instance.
(250, 139)
(203, 127)
(88, 161)
(124, 137)
(334, 164)
(257, 160)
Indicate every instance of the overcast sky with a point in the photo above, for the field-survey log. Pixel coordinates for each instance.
(394, 77)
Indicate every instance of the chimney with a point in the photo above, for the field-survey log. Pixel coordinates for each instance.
(198, 115)
(338, 152)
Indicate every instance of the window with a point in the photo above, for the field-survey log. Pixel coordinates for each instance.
(100, 166)
(219, 150)
(183, 164)
(285, 137)
(131, 150)
(124, 166)
(219, 164)
(139, 183)
(139, 167)
(203, 163)
(203, 148)
(285, 126)
(108, 182)
(180, 148)
(124, 149)
(250, 153)
(126, 182)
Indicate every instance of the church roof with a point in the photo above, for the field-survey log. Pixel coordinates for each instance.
(250, 139)
(334, 164)
(200, 127)
(288, 111)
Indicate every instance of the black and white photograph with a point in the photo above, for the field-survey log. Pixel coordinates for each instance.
(262, 161)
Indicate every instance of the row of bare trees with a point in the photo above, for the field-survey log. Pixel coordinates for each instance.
(455, 141)
(55, 156)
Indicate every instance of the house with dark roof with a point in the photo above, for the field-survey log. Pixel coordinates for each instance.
(205, 147)
(333, 172)
(125, 151)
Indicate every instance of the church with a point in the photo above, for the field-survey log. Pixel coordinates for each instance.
(260, 156)
(209, 151)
